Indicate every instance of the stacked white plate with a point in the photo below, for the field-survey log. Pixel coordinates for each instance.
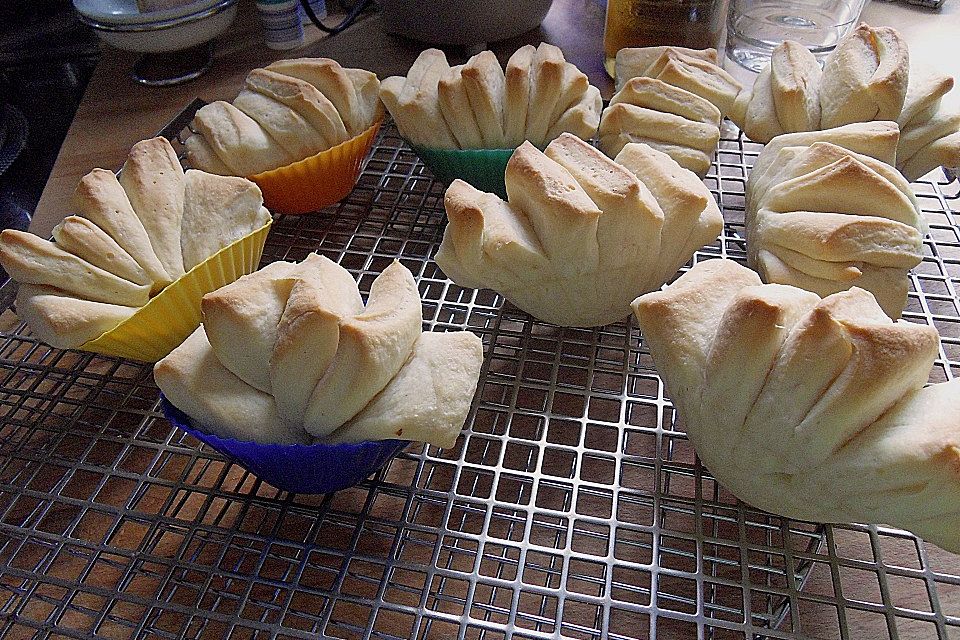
(121, 24)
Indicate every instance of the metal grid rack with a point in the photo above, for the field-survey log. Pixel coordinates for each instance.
(571, 506)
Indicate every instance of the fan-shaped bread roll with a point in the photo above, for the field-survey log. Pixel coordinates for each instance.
(288, 111)
(152, 178)
(670, 119)
(101, 199)
(695, 71)
(672, 99)
(32, 260)
(825, 218)
(478, 105)
(217, 211)
(104, 263)
(633, 62)
(865, 77)
(64, 321)
(806, 407)
(785, 96)
(580, 234)
(292, 353)
(868, 77)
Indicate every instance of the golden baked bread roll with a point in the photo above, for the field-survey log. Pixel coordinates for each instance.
(480, 106)
(695, 71)
(865, 77)
(32, 260)
(294, 346)
(104, 263)
(64, 321)
(152, 178)
(868, 77)
(217, 211)
(580, 234)
(825, 218)
(100, 198)
(194, 380)
(681, 124)
(806, 407)
(287, 111)
(414, 101)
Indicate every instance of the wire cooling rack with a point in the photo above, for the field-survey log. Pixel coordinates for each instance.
(571, 506)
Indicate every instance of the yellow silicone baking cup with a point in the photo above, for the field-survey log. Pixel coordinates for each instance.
(162, 324)
(318, 181)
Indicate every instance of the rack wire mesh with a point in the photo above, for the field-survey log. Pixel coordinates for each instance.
(571, 506)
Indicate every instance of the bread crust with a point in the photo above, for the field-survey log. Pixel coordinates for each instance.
(64, 321)
(101, 200)
(580, 234)
(153, 181)
(810, 408)
(33, 260)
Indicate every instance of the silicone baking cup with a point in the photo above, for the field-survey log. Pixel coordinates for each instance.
(482, 168)
(318, 181)
(297, 468)
(174, 313)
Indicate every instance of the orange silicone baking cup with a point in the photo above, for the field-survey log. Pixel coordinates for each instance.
(318, 181)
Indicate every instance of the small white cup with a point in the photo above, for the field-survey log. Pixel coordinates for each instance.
(282, 24)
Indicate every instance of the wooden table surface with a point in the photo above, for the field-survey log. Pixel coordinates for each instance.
(116, 112)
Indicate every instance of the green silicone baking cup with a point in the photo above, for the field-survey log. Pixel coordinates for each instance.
(482, 168)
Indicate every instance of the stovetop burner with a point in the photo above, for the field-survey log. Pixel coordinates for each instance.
(46, 60)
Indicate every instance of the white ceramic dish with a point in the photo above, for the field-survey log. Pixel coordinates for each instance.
(125, 12)
(174, 34)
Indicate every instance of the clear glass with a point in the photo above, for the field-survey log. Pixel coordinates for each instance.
(646, 23)
(755, 27)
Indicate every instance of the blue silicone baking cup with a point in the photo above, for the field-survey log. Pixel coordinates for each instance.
(297, 468)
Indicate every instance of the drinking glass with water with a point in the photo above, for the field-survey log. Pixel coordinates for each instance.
(755, 27)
